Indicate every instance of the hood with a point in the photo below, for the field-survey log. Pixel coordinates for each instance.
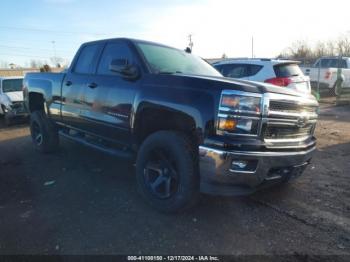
(248, 86)
(15, 96)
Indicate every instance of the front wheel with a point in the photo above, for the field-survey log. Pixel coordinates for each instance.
(44, 133)
(167, 173)
(335, 90)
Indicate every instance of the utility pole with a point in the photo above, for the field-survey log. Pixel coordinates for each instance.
(54, 51)
(252, 47)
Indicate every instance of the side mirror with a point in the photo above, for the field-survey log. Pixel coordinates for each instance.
(123, 67)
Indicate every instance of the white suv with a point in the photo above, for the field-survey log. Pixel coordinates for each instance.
(284, 73)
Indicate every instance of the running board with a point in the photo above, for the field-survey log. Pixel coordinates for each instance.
(111, 151)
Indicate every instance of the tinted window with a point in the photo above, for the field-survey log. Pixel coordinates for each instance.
(12, 85)
(87, 59)
(337, 63)
(332, 62)
(343, 64)
(287, 70)
(238, 70)
(325, 63)
(113, 51)
(234, 70)
(254, 69)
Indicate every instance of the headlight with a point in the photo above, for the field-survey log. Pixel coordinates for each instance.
(238, 103)
(239, 114)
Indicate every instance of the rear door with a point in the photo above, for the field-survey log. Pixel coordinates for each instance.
(109, 100)
(75, 86)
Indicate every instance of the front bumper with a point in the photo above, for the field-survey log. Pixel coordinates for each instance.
(16, 112)
(219, 178)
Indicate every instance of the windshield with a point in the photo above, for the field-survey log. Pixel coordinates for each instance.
(12, 85)
(169, 60)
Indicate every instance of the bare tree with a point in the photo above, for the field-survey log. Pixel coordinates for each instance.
(4, 64)
(343, 45)
(300, 50)
(36, 63)
(45, 68)
(57, 61)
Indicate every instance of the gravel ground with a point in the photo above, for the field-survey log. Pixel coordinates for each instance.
(80, 201)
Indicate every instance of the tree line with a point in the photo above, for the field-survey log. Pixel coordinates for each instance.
(302, 51)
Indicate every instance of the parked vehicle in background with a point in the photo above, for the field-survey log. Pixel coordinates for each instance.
(325, 70)
(11, 98)
(190, 129)
(284, 73)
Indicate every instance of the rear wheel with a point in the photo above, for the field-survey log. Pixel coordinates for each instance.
(334, 91)
(167, 173)
(44, 133)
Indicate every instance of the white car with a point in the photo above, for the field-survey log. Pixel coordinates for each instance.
(11, 98)
(284, 73)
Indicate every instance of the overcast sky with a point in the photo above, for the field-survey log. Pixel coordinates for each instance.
(28, 27)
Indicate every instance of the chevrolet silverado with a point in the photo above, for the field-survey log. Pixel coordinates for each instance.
(188, 129)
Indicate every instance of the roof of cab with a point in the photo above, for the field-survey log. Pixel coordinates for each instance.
(127, 39)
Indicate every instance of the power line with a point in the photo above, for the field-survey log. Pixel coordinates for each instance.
(22, 55)
(15, 53)
(50, 31)
(32, 48)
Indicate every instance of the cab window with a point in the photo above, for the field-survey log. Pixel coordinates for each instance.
(117, 50)
(87, 59)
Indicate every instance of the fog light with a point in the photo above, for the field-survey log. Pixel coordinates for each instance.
(244, 166)
(227, 124)
(239, 164)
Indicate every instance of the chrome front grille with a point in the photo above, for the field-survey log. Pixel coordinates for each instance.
(18, 106)
(287, 132)
(288, 119)
(280, 121)
(291, 107)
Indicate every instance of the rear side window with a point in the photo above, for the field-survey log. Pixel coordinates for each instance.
(238, 70)
(325, 63)
(336, 63)
(287, 70)
(254, 69)
(117, 50)
(87, 59)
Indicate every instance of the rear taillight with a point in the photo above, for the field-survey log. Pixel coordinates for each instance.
(328, 75)
(279, 81)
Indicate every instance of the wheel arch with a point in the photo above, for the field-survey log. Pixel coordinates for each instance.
(153, 118)
(36, 102)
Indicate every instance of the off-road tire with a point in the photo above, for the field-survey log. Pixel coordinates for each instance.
(43, 126)
(184, 157)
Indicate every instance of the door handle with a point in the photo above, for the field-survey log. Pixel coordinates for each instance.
(92, 85)
(69, 83)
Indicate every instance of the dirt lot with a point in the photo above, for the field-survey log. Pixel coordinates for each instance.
(79, 201)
